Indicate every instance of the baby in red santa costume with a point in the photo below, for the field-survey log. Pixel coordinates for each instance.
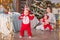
(26, 17)
(46, 22)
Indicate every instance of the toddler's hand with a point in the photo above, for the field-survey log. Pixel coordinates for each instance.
(32, 15)
(21, 17)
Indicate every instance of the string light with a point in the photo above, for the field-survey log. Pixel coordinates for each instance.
(1, 1)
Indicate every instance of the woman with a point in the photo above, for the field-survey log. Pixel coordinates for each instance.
(51, 18)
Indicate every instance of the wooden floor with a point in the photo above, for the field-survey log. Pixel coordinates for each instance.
(38, 35)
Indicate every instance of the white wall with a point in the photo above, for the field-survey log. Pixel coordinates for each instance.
(55, 1)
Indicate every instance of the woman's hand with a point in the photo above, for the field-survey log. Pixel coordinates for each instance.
(55, 24)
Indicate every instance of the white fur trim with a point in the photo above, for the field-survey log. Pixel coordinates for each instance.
(25, 19)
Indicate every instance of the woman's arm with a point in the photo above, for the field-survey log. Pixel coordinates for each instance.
(53, 19)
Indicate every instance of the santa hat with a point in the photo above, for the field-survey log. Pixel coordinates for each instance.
(26, 8)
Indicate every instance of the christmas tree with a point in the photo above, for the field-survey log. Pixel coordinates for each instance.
(38, 7)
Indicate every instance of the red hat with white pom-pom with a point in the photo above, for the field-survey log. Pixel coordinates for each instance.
(26, 8)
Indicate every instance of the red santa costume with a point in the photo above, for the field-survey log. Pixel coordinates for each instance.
(46, 23)
(26, 22)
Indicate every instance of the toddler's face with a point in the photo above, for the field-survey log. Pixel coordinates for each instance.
(25, 12)
(45, 17)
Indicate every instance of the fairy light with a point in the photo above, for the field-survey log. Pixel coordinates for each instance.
(1, 1)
